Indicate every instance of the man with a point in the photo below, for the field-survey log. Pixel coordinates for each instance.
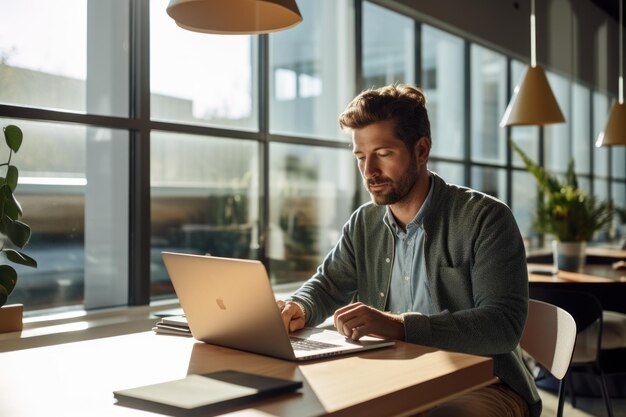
(426, 262)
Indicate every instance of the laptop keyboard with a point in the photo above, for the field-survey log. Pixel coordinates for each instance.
(307, 344)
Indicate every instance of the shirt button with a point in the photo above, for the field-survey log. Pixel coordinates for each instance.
(382, 294)
(409, 242)
(387, 260)
(406, 278)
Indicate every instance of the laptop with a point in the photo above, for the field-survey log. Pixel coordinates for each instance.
(230, 302)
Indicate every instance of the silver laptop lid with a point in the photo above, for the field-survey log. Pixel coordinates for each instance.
(219, 312)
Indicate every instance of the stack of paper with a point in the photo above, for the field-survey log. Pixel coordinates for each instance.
(176, 325)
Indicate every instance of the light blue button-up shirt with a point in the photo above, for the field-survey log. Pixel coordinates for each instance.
(409, 283)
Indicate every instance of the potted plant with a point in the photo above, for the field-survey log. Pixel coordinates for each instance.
(14, 234)
(567, 213)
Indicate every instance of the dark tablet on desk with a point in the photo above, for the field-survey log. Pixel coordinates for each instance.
(208, 393)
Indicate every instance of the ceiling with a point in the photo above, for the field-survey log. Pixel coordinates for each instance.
(611, 7)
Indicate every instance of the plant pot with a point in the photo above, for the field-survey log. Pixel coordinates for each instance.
(11, 318)
(569, 256)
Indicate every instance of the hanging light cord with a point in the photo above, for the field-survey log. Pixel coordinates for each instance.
(533, 36)
(621, 59)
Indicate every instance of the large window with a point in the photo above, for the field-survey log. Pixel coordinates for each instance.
(240, 153)
(388, 47)
(65, 66)
(201, 79)
(73, 189)
(312, 71)
(74, 178)
(581, 128)
(488, 101)
(443, 79)
(205, 199)
(558, 139)
(312, 192)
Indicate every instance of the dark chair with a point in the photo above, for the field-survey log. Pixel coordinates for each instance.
(587, 312)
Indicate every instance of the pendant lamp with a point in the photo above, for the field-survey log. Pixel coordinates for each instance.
(234, 17)
(533, 102)
(615, 131)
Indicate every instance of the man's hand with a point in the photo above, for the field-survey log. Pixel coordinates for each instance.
(293, 316)
(357, 320)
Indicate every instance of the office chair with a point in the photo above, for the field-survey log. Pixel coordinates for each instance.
(549, 337)
(587, 313)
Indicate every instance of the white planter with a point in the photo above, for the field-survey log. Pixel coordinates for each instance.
(569, 256)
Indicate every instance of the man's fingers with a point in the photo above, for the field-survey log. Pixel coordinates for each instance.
(349, 319)
(344, 313)
(291, 314)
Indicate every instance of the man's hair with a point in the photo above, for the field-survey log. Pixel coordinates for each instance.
(404, 104)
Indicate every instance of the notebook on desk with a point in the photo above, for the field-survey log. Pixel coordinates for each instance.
(229, 302)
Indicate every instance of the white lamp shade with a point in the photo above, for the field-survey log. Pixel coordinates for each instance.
(533, 102)
(234, 16)
(615, 131)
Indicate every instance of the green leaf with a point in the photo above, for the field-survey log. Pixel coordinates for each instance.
(17, 231)
(570, 177)
(8, 278)
(19, 258)
(13, 136)
(12, 207)
(12, 176)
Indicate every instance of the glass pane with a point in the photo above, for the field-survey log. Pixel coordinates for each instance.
(488, 100)
(450, 172)
(490, 181)
(618, 162)
(204, 199)
(211, 80)
(526, 137)
(523, 204)
(74, 194)
(601, 189)
(312, 71)
(601, 103)
(581, 128)
(584, 183)
(443, 60)
(558, 141)
(619, 198)
(80, 65)
(312, 193)
(388, 47)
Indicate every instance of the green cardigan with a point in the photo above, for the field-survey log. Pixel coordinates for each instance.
(477, 276)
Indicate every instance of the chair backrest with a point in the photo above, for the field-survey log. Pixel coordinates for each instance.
(549, 336)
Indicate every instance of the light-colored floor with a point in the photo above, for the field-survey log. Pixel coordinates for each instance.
(585, 407)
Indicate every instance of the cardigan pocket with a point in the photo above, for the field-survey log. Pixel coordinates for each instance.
(454, 288)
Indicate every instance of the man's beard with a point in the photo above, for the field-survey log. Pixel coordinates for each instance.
(396, 190)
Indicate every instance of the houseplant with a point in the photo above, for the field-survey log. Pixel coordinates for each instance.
(567, 213)
(14, 234)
